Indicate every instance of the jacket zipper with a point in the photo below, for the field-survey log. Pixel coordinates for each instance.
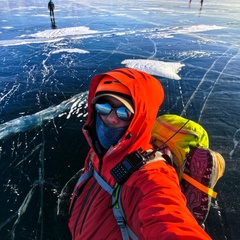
(83, 206)
(76, 193)
(88, 208)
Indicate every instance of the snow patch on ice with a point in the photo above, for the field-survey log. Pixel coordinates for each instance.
(157, 68)
(62, 32)
(74, 50)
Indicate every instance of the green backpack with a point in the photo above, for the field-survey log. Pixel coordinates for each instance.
(180, 135)
(189, 144)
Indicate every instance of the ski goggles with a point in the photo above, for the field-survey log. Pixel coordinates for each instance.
(122, 112)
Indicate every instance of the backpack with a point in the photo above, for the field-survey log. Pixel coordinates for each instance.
(189, 144)
(180, 135)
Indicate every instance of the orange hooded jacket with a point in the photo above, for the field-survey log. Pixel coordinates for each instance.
(152, 200)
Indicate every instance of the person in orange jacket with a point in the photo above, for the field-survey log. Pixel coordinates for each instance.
(122, 107)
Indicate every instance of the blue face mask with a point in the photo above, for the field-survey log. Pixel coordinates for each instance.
(108, 136)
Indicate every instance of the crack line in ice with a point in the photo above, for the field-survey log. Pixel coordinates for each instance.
(30, 154)
(154, 49)
(10, 92)
(22, 210)
(201, 82)
(235, 143)
(41, 181)
(214, 84)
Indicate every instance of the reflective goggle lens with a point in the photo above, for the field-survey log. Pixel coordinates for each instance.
(122, 112)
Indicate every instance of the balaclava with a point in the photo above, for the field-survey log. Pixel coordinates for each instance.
(109, 86)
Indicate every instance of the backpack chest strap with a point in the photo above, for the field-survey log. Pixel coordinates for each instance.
(120, 216)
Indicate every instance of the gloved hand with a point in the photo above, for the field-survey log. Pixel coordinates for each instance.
(163, 154)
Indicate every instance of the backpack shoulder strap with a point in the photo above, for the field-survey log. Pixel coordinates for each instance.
(117, 206)
(120, 216)
(102, 183)
(85, 175)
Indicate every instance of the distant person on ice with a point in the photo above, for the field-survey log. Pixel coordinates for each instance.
(51, 8)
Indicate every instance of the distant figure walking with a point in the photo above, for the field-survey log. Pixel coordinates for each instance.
(190, 1)
(51, 8)
(201, 2)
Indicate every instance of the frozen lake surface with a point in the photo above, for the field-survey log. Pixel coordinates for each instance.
(44, 77)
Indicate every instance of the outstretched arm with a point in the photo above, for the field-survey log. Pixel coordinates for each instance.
(156, 207)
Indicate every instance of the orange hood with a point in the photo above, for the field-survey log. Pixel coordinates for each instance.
(147, 96)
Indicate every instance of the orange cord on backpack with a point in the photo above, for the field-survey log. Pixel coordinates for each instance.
(200, 186)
